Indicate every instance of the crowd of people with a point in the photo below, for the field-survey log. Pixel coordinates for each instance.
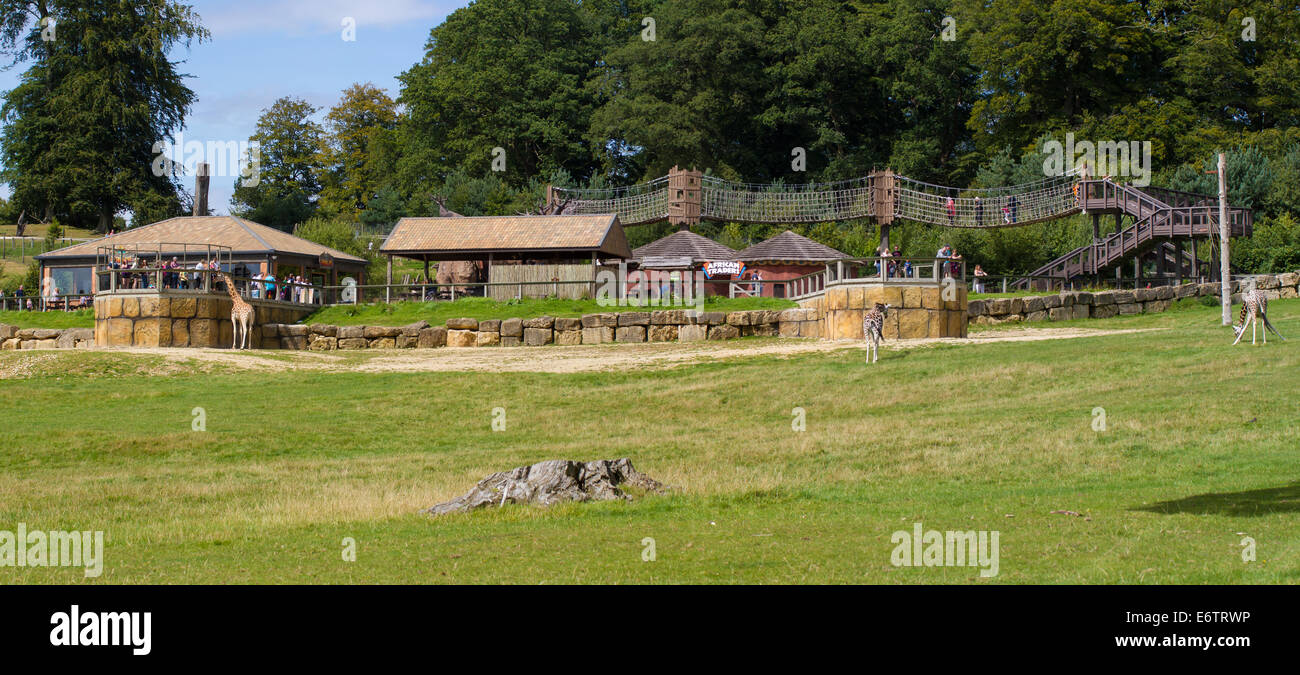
(135, 272)
(291, 288)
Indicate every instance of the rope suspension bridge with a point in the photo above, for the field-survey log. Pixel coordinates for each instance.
(1160, 218)
(687, 197)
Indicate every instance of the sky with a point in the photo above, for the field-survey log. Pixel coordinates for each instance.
(262, 50)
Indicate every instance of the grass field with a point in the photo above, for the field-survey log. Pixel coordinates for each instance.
(14, 257)
(77, 318)
(1198, 451)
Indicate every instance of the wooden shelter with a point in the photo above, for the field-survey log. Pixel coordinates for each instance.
(783, 257)
(247, 248)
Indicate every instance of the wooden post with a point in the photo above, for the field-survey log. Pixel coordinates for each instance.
(388, 288)
(1178, 261)
(1225, 275)
(201, 189)
(1196, 262)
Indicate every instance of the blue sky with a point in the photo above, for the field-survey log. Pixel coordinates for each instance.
(264, 49)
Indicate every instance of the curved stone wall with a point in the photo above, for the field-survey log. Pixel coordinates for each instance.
(916, 311)
(180, 319)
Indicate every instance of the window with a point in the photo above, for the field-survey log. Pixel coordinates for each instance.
(72, 280)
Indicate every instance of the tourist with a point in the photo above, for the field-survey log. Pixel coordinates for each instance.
(758, 287)
(269, 279)
(951, 207)
(979, 211)
(1013, 205)
(979, 279)
(954, 267)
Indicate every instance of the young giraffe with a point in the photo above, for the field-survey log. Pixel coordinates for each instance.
(873, 322)
(1254, 306)
(241, 315)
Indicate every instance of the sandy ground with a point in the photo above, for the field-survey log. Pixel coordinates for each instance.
(554, 359)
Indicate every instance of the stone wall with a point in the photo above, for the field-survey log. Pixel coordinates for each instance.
(1104, 304)
(672, 325)
(13, 337)
(180, 319)
(915, 311)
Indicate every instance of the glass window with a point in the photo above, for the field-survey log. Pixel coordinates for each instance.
(72, 280)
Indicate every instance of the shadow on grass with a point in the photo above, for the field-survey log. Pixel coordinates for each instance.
(1285, 499)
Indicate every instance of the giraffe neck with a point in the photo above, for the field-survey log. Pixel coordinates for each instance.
(234, 295)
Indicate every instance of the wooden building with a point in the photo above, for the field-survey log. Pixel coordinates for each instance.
(682, 252)
(783, 257)
(245, 248)
(541, 255)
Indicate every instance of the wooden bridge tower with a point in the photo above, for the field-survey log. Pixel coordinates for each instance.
(882, 192)
(685, 197)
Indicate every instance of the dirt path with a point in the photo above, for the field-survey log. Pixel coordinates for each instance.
(569, 359)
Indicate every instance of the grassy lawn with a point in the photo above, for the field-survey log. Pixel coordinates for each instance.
(77, 318)
(437, 313)
(1198, 451)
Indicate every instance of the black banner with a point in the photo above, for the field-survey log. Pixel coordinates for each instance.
(508, 625)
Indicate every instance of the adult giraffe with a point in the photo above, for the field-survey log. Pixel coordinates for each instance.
(241, 315)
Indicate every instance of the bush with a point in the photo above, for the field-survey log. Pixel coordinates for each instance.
(1274, 247)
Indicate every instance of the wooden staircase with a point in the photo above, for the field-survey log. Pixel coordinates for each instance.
(1161, 217)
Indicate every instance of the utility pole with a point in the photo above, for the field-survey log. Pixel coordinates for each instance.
(1225, 277)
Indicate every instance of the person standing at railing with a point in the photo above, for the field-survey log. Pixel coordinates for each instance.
(269, 282)
(979, 212)
(1013, 205)
(979, 279)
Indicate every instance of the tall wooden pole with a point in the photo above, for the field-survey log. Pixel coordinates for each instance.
(201, 180)
(1225, 283)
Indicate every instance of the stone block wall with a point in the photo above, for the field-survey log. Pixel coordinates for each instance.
(915, 311)
(671, 325)
(180, 319)
(13, 337)
(1105, 304)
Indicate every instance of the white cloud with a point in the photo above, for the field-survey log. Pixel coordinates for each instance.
(299, 17)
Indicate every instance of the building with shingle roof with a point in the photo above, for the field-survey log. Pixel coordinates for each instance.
(783, 257)
(242, 246)
(789, 247)
(508, 238)
(530, 251)
(682, 245)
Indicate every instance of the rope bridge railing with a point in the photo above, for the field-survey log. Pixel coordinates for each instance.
(910, 199)
(807, 203)
(634, 204)
(985, 207)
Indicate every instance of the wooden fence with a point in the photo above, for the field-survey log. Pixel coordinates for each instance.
(531, 274)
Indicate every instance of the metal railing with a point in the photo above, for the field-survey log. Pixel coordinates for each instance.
(204, 282)
(877, 270)
(67, 303)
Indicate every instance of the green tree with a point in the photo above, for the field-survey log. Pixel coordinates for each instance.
(507, 74)
(285, 186)
(354, 127)
(81, 124)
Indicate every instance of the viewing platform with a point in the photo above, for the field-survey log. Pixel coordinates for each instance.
(927, 296)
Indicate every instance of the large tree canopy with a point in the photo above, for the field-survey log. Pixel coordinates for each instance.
(80, 127)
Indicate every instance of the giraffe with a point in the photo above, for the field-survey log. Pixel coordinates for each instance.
(872, 323)
(241, 315)
(1254, 306)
